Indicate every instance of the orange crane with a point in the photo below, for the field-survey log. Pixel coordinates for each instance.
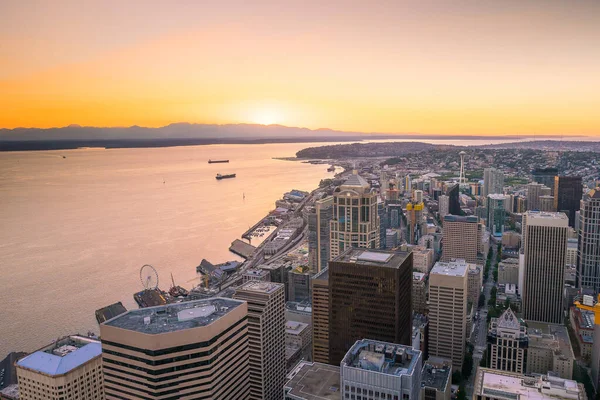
(588, 304)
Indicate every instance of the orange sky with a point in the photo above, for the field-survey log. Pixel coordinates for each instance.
(433, 67)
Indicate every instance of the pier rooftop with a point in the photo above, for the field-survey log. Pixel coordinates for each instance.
(174, 317)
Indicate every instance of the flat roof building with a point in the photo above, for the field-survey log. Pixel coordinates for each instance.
(436, 379)
(313, 381)
(462, 238)
(195, 348)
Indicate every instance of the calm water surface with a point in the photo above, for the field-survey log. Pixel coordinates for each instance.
(75, 231)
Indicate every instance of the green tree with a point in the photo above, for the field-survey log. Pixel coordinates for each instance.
(462, 393)
(467, 366)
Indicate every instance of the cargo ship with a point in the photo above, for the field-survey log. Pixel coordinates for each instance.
(217, 161)
(226, 176)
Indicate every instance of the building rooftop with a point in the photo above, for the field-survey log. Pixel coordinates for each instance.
(260, 287)
(323, 275)
(450, 268)
(436, 375)
(549, 335)
(314, 381)
(62, 356)
(543, 218)
(175, 317)
(10, 392)
(295, 327)
(390, 259)
(383, 357)
(418, 276)
(459, 218)
(497, 196)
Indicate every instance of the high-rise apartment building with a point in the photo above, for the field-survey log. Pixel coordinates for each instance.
(546, 203)
(462, 238)
(545, 176)
(319, 228)
(444, 204)
(448, 311)
(68, 369)
(355, 222)
(266, 337)
(534, 191)
(588, 249)
(370, 297)
(507, 343)
(375, 369)
(544, 253)
(493, 181)
(568, 191)
(496, 213)
(195, 349)
(320, 316)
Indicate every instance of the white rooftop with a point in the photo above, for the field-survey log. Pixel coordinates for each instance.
(518, 387)
(547, 218)
(450, 268)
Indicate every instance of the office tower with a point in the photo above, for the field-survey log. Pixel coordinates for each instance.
(507, 343)
(436, 193)
(509, 203)
(395, 215)
(493, 181)
(320, 316)
(419, 293)
(491, 384)
(298, 285)
(414, 216)
(546, 203)
(418, 196)
(436, 379)
(588, 249)
(384, 222)
(370, 297)
(461, 238)
(544, 248)
(568, 192)
(453, 199)
(319, 222)
(448, 311)
(407, 184)
(496, 214)
(474, 282)
(355, 222)
(444, 205)
(162, 351)
(520, 204)
(545, 176)
(68, 369)
(373, 369)
(534, 191)
(266, 337)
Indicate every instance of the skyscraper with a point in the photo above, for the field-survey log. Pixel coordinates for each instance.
(545, 176)
(496, 213)
(319, 232)
(370, 297)
(414, 215)
(507, 343)
(544, 249)
(320, 316)
(266, 337)
(448, 311)
(355, 220)
(462, 238)
(196, 348)
(493, 181)
(588, 248)
(534, 191)
(453, 194)
(444, 206)
(546, 203)
(568, 191)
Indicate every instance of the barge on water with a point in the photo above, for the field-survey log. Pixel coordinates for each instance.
(226, 176)
(217, 161)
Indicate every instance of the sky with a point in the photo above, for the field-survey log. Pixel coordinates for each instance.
(484, 67)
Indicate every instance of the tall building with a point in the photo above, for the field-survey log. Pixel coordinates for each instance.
(319, 228)
(588, 249)
(461, 238)
(369, 297)
(545, 176)
(266, 337)
(448, 311)
(546, 203)
(520, 204)
(418, 196)
(68, 369)
(568, 191)
(453, 194)
(375, 369)
(196, 349)
(320, 316)
(534, 191)
(355, 222)
(414, 216)
(419, 293)
(407, 184)
(493, 181)
(507, 343)
(496, 214)
(474, 282)
(544, 248)
(444, 205)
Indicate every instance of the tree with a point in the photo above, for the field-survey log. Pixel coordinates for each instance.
(467, 366)
(481, 302)
(457, 378)
(462, 393)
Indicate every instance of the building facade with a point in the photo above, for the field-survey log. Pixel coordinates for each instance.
(496, 213)
(419, 293)
(319, 232)
(474, 283)
(507, 343)
(444, 205)
(568, 191)
(320, 316)
(436, 379)
(493, 181)
(588, 249)
(461, 238)
(545, 176)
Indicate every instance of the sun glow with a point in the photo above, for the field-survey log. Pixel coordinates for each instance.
(266, 117)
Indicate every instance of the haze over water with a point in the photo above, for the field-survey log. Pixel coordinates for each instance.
(76, 230)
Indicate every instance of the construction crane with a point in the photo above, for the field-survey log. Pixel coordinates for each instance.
(588, 305)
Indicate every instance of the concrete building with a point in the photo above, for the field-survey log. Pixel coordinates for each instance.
(568, 191)
(298, 338)
(419, 293)
(462, 238)
(422, 259)
(572, 250)
(444, 205)
(496, 214)
(545, 176)
(588, 255)
(474, 283)
(549, 349)
(195, 348)
(320, 316)
(493, 181)
(511, 240)
(508, 272)
(68, 369)
(507, 343)
(256, 274)
(534, 191)
(319, 232)
(436, 379)
(355, 221)
(492, 384)
(414, 216)
(298, 285)
(418, 196)
(448, 311)
(547, 203)
(420, 334)
(313, 381)
(544, 255)
(266, 337)
(370, 297)
(520, 204)
(582, 322)
(379, 370)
